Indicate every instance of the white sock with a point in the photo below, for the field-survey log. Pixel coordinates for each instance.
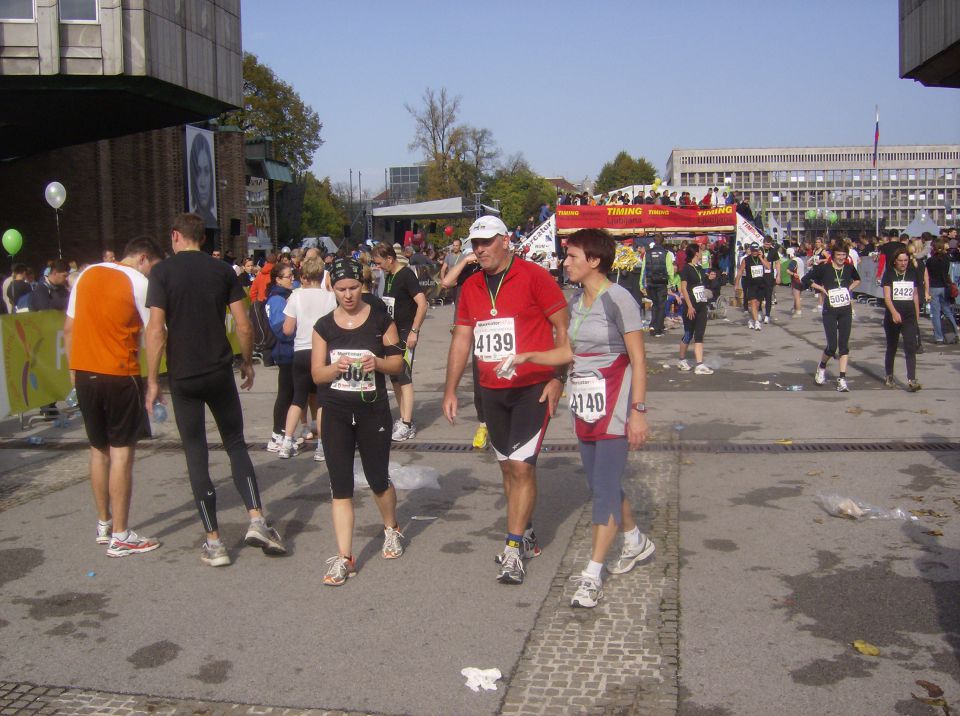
(214, 542)
(633, 536)
(121, 535)
(511, 550)
(101, 523)
(258, 520)
(593, 569)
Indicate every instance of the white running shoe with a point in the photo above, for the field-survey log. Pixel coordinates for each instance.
(750, 324)
(318, 455)
(703, 369)
(589, 591)
(766, 319)
(288, 449)
(842, 386)
(631, 554)
(683, 365)
(820, 377)
(275, 442)
(402, 431)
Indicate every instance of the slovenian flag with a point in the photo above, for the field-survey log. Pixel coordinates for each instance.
(876, 139)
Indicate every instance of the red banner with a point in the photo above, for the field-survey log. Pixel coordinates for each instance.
(631, 219)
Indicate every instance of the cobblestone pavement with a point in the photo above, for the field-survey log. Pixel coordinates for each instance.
(620, 658)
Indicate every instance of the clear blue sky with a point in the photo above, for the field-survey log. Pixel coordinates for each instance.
(569, 84)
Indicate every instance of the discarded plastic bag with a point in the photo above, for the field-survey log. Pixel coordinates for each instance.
(403, 477)
(840, 506)
(477, 679)
(415, 477)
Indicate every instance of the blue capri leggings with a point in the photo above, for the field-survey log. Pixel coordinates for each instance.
(605, 462)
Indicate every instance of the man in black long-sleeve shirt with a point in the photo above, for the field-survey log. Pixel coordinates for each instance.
(51, 292)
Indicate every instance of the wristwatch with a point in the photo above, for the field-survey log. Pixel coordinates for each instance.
(639, 407)
(415, 330)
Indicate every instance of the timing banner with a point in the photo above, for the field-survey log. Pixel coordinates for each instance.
(633, 219)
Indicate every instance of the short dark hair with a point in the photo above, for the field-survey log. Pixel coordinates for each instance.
(384, 251)
(595, 244)
(191, 227)
(19, 268)
(60, 266)
(692, 250)
(143, 245)
(841, 245)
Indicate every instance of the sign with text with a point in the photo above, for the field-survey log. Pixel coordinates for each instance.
(641, 218)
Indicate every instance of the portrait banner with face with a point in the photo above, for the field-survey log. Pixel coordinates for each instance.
(201, 175)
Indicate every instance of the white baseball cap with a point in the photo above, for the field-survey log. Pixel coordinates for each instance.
(486, 227)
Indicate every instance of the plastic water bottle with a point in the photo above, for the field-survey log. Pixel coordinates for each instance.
(34, 440)
(794, 388)
(159, 412)
(71, 399)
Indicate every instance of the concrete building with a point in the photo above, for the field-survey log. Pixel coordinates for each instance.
(95, 94)
(930, 42)
(788, 181)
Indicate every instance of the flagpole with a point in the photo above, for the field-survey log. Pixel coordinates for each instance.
(876, 180)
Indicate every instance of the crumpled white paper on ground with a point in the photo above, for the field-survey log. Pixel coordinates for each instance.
(485, 679)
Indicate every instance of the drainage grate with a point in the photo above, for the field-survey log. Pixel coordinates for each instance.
(716, 447)
(655, 446)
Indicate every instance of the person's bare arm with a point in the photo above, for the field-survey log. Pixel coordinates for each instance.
(245, 337)
(461, 344)
(156, 342)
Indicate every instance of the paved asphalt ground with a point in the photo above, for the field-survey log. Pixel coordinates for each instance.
(749, 606)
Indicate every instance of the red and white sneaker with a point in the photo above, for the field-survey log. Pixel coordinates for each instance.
(133, 544)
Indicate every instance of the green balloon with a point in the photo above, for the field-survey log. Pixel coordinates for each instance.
(832, 217)
(12, 241)
(811, 214)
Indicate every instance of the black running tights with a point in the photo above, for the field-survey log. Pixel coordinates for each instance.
(218, 391)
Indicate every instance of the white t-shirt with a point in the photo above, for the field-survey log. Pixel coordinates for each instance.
(308, 305)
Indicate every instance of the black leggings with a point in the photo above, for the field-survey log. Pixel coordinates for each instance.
(218, 391)
(836, 326)
(303, 384)
(366, 430)
(766, 298)
(911, 332)
(284, 396)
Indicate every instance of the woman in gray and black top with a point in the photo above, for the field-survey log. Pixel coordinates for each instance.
(354, 346)
(938, 281)
(835, 281)
(901, 299)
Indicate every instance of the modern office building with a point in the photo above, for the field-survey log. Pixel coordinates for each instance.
(95, 94)
(930, 42)
(786, 182)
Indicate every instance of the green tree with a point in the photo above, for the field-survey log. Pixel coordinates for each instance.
(323, 214)
(458, 157)
(623, 171)
(520, 191)
(272, 108)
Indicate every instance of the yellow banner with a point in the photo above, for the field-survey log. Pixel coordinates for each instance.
(35, 367)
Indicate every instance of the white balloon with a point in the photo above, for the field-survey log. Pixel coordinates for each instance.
(55, 194)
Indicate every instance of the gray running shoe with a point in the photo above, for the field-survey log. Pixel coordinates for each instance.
(104, 532)
(913, 386)
(888, 382)
(589, 591)
(392, 546)
(531, 547)
(214, 556)
(631, 554)
(340, 569)
(511, 568)
(260, 534)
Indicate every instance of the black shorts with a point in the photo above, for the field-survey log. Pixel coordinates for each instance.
(755, 292)
(517, 421)
(405, 377)
(112, 407)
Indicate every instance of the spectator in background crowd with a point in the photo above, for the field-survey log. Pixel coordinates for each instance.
(52, 292)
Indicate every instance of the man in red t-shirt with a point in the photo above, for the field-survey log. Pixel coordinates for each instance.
(511, 306)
